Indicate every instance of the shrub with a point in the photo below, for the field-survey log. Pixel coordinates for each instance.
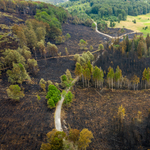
(14, 92)
(68, 98)
(42, 84)
(49, 82)
(93, 26)
(134, 21)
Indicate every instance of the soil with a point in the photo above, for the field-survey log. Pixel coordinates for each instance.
(78, 32)
(24, 124)
(94, 112)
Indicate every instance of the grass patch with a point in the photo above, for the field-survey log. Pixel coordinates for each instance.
(141, 21)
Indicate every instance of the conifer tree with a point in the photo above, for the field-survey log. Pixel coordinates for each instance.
(140, 48)
(14, 92)
(33, 66)
(18, 74)
(41, 47)
(100, 47)
(78, 69)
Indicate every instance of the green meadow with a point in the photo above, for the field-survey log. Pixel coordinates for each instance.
(141, 22)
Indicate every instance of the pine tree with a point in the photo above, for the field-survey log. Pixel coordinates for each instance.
(18, 74)
(14, 92)
(140, 48)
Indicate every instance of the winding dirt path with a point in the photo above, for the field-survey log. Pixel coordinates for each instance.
(58, 109)
(112, 37)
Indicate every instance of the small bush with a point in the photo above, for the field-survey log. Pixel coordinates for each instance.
(14, 92)
(68, 98)
(42, 84)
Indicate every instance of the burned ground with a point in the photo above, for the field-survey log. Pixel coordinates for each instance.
(95, 112)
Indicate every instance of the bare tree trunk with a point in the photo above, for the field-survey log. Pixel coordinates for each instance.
(88, 83)
(134, 86)
(83, 80)
(112, 83)
(118, 83)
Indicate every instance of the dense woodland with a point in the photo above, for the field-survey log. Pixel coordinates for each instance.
(107, 10)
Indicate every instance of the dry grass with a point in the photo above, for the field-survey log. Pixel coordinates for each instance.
(141, 21)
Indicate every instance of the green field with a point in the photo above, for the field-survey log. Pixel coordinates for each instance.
(141, 21)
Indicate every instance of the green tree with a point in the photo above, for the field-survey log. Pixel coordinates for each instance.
(118, 75)
(140, 48)
(40, 33)
(25, 52)
(67, 36)
(84, 139)
(68, 98)
(18, 74)
(52, 49)
(13, 56)
(146, 75)
(14, 92)
(41, 47)
(78, 69)
(93, 26)
(55, 140)
(53, 94)
(110, 76)
(100, 47)
(33, 66)
(31, 37)
(82, 44)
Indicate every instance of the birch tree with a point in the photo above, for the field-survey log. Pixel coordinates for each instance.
(118, 75)
(110, 76)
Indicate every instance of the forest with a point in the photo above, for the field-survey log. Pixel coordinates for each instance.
(109, 10)
(48, 53)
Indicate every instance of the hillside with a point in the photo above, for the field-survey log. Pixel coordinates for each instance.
(44, 49)
(54, 2)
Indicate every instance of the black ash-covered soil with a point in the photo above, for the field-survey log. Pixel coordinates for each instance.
(24, 124)
(77, 33)
(94, 112)
(55, 68)
(117, 31)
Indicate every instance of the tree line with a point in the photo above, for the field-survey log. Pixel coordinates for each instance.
(107, 9)
(114, 79)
